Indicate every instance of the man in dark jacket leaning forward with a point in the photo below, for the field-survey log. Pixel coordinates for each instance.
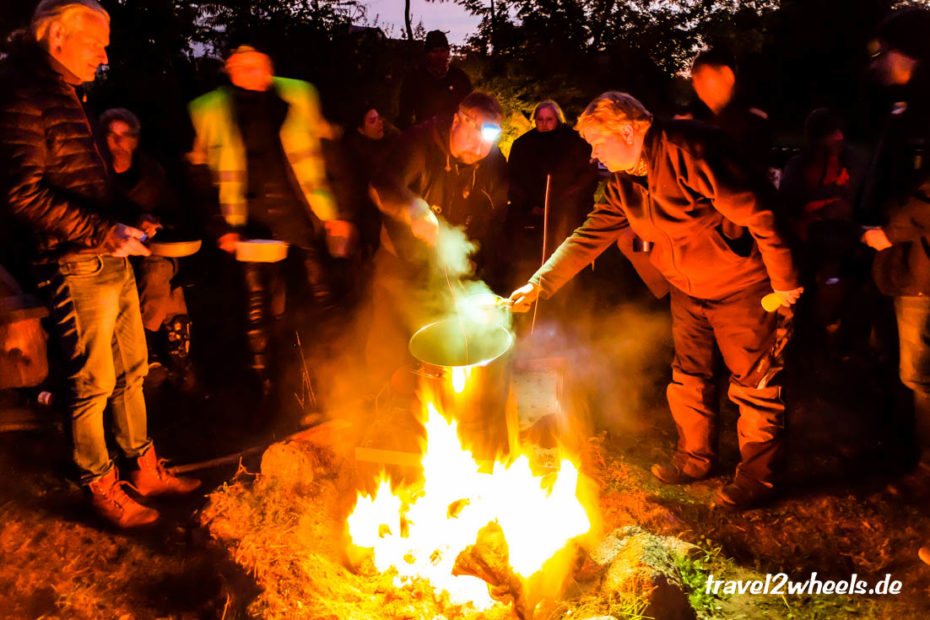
(448, 167)
(676, 184)
(55, 188)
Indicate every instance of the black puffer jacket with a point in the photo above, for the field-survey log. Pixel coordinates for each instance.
(54, 180)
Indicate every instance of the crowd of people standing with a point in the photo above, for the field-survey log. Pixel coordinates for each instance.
(294, 199)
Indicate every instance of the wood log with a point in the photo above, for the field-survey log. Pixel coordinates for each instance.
(23, 359)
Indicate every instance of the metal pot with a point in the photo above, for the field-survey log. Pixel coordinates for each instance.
(465, 367)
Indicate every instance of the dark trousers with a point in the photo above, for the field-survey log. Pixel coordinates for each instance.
(740, 331)
(300, 282)
(913, 314)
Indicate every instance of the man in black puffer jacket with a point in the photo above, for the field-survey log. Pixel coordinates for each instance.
(54, 188)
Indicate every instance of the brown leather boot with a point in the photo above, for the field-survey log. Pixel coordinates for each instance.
(111, 502)
(153, 479)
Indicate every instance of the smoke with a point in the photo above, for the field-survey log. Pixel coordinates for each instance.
(456, 290)
(453, 252)
(365, 353)
(614, 361)
(614, 344)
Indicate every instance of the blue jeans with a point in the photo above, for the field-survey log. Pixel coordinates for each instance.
(913, 314)
(95, 317)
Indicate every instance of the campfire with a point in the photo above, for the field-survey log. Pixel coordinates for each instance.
(475, 530)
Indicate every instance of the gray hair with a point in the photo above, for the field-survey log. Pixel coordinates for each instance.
(552, 105)
(51, 11)
(120, 114)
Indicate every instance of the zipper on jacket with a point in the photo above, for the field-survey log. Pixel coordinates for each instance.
(651, 212)
(90, 129)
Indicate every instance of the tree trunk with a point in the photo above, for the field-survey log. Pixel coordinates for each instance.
(493, 18)
(407, 20)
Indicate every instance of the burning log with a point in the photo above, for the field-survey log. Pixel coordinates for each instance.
(468, 525)
(488, 559)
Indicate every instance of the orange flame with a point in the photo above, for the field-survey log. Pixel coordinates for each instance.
(460, 378)
(421, 538)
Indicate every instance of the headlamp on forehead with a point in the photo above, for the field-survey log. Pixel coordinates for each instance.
(490, 132)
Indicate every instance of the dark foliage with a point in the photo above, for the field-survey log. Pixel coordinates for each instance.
(794, 55)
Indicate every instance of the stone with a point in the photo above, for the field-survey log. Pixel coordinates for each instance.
(289, 464)
(640, 564)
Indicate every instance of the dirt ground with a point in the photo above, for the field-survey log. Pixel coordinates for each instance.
(846, 443)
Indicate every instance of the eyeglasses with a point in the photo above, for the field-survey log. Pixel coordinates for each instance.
(490, 132)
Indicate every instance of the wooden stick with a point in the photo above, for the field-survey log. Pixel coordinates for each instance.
(305, 434)
(230, 459)
(545, 235)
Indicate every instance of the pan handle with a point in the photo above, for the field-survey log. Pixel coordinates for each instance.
(434, 373)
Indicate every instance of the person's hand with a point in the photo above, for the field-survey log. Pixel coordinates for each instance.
(426, 228)
(522, 299)
(228, 242)
(875, 238)
(340, 235)
(149, 225)
(788, 298)
(122, 240)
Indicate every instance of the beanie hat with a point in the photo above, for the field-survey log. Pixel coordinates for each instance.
(436, 39)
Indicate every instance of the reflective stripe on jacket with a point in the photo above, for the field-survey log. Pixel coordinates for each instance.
(219, 146)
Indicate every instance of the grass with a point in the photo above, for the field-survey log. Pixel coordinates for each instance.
(694, 572)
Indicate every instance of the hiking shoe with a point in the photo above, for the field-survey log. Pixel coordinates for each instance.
(924, 554)
(669, 472)
(743, 495)
(155, 377)
(113, 504)
(151, 478)
(913, 486)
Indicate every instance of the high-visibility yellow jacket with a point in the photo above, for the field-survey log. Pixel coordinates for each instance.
(219, 145)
